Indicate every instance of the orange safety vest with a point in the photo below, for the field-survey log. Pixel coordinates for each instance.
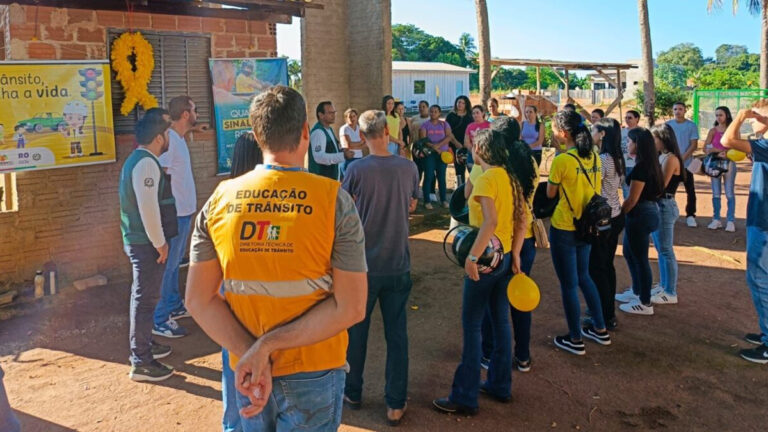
(273, 230)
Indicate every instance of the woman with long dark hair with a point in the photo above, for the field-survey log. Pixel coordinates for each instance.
(493, 110)
(495, 202)
(405, 129)
(478, 123)
(606, 134)
(440, 136)
(396, 144)
(646, 186)
(576, 176)
(459, 118)
(674, 172)
(532, 133)
(723, 119)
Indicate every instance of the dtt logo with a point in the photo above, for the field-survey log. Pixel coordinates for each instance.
(260, 230)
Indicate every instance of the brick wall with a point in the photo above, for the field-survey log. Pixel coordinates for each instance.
(71, 215)
(370, 52)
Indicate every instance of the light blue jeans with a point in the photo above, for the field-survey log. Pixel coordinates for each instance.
(729, 178)
(663, 240)
(757, 275)
(230, 420)
(170, 299)
(308, 401)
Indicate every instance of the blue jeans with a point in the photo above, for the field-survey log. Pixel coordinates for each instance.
(521, 321)
(309, 401)
(145, 290)
(490, 290)
(434, 165)
(663, 240)
(624, 185)
(757, 275)
(392, 292)
(8, 420)
(393, 149)
(571, 260)
(729, 178)
(230, 420)
(641, 222)
(170, 299)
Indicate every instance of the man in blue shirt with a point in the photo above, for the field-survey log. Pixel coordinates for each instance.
(757, 222)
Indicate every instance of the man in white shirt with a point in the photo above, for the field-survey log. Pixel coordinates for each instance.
(325, 154)
(176, 163)
(147, 223)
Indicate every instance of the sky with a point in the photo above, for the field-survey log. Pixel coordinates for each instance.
(584, 30)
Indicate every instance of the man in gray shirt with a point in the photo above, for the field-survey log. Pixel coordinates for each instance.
(687, 134)
(385, 189)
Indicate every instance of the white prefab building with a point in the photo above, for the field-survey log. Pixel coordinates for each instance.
(437, 83)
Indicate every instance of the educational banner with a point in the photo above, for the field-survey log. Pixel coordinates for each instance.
(235, 83)
(55, 114)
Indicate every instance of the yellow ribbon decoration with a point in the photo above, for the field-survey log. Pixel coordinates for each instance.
(135, 83)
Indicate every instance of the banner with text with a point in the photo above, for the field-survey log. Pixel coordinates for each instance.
(54, 115)
(235, 83)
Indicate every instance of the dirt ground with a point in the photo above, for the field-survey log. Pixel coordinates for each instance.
(66, 357)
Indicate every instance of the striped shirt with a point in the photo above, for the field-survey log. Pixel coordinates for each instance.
(611, 184)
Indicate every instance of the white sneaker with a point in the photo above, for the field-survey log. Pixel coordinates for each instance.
(636, 308)
(730, 227)
(428, 206)
(663, 298)
(627, 296)
(691, 221)
(432, 197)
(657, 289)
(715, 224)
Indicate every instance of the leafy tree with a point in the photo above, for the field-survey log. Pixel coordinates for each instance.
(294, 74)
(725, 52)
(666, 96)
(686, 55)
(508, 79)
(467, 46)
(673, 75)
(411, 43)
(745, 62)
(715, 77)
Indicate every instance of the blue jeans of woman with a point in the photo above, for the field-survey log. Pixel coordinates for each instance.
(490, 290)
(757, 275)
(230, 420)
(521, 321)
(571, 260)
(729, 178)
(434, 165)
(641, 222)
(663, 240)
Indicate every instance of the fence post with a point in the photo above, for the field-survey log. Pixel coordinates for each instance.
(696, 106)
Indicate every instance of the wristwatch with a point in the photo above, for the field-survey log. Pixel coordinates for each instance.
(472, 258)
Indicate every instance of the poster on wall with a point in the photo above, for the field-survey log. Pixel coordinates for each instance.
(235, 82)
(55, 115)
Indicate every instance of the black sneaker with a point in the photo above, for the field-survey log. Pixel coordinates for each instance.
(352, 404)
(754, 338)
(757, 355)
(522, 366)
(573, 347)
(445, 406)
(160, 351)
(485, 363)
(611, 324)
(603, 338)
(154, 371)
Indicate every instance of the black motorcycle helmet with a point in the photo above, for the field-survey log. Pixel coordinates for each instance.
(458, 205)
(464, 238)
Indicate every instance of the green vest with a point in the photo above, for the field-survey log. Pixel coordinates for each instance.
(330, 171)
(131, 225)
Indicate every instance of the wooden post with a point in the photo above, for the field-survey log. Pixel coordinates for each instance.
(620, 92)
(567, 85)
(538, 80)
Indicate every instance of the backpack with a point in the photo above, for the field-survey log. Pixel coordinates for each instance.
(596, 215)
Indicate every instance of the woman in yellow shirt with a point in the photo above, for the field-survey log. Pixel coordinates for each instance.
(491, 208)
(396, 144)
(570, 256)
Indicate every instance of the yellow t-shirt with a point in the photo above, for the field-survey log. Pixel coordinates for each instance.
(393, 126)
(494, 184)
(566, 173)
(475, 173)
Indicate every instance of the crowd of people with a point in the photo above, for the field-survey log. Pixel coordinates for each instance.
(288, 263)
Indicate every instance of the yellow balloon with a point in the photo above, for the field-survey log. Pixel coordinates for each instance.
(735, 155)
(523, 293)
(447, 157)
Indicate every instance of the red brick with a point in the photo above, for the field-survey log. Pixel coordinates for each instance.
(110, 18)
(58, 34)
(24, 32)
(218, 53)
(73, 51)
(222, 41)
(213, 25)
(97, 51)
(245, 42)
(41, 50)
(236, 26)
(258, 27)
(81, 16)
(163, 22)
(97, 35)
(190, 24)
(267, 43)
(257, 53)
(236, 54)
(39, 14)
(138, 20)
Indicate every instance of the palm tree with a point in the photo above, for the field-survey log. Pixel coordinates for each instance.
(755, 7)
(467, 46)
(649, 90)
(484, 44)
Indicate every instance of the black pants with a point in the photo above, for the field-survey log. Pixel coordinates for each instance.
(690, 192)
(537, 156)
(601, 267)
(461, 170)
